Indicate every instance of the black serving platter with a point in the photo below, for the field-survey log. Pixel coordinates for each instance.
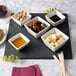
(36, 49)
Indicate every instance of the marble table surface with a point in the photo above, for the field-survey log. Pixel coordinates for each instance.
(35, 6)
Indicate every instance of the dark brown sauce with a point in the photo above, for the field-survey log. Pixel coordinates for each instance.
(55, 18)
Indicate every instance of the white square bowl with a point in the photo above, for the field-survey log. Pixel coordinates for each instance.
(15, 37)
(37, 35)
(53, 31)
(60, 15)
(21, 23)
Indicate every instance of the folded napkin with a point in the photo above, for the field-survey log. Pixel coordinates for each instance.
(27, 71)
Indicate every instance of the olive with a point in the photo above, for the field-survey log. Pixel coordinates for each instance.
(39, 23)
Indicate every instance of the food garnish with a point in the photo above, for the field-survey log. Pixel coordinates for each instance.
(11, 58)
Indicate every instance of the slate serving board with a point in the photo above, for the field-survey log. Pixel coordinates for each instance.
(36, 49)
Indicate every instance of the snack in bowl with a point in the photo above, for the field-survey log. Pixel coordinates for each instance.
(21, 17)
(54, 39)
(19, 41)
(37, 26)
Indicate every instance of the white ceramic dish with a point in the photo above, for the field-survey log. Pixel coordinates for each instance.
(53, 31)
(21, 23)
(15, 37)
(59, 14)
(36, 35)
(5, 35)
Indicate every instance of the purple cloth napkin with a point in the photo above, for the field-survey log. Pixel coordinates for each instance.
(27, 71)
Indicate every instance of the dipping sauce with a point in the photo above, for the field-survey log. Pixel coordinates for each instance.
(55, 18)
(19, 42)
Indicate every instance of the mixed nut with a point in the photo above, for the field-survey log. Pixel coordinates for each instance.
(37, 26)
(55, 39)
(21, 16)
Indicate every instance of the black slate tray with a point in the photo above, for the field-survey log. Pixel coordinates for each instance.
(36, 49)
